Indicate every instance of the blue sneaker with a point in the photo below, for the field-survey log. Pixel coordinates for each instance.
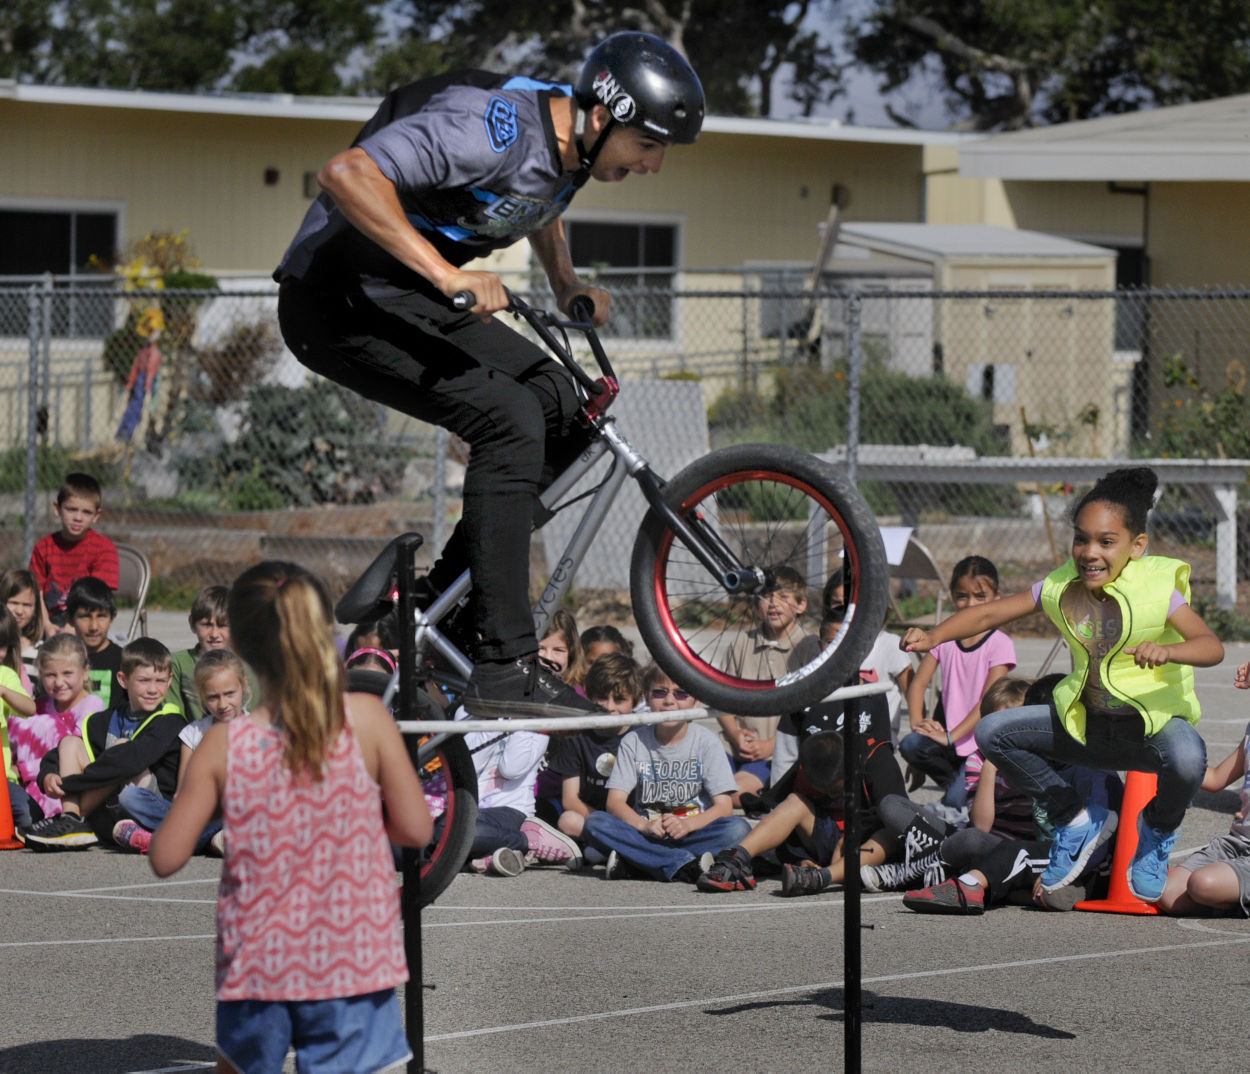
(1148, 871)
(1075, 844)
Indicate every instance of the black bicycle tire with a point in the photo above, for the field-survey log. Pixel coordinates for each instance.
(454, 837)
(860, 533)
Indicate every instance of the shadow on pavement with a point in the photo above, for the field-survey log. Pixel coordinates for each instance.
(146, 1051)
(907, 1010)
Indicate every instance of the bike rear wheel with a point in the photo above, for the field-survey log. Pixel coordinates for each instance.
(776, 509)
(449, 783)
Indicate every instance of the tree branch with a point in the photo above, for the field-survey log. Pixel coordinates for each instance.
(948, 42)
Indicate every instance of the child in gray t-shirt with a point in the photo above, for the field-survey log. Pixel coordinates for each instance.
(677, 777)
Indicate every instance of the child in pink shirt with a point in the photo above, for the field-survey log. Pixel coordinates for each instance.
(939, 748)
(63, 670)
(309, 945)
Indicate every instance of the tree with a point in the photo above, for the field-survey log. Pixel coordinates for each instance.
(737, 46)
(185, 45)
(1006, 64)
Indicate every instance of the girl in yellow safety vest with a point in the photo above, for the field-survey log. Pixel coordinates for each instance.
(1129, 703)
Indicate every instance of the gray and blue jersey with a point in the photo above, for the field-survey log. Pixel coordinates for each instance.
(476, 165)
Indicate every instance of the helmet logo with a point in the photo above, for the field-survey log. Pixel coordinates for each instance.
(615, 99)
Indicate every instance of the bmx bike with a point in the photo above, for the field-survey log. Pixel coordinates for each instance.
(727, 529)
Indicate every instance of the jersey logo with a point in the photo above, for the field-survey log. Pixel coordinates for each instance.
(617, 101)
(501, 124)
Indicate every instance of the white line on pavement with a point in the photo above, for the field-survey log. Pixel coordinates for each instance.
(790, 990)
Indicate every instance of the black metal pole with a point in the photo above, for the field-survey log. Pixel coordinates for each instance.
(409, 684)
(851, 972)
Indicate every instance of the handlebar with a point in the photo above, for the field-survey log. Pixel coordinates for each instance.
(581, 313)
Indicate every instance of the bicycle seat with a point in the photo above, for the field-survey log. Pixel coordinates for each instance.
(370, 596)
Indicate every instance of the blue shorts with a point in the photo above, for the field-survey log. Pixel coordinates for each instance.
(356, 1035)
(761, 770)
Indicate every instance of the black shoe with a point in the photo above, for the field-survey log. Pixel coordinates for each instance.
(62, 832)
(730, 871)
(693, 869)
(522, 687)
(804, 880)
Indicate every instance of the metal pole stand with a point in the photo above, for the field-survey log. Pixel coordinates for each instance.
(851, 968)
(410, 904)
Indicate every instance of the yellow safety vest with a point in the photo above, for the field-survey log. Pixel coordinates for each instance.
(165, 710)
(1143, 591)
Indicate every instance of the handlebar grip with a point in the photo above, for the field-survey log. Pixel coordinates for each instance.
(463, 300)
(582, 308)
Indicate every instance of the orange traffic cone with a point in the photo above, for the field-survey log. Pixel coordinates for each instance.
(1139, 788)
(7, 831)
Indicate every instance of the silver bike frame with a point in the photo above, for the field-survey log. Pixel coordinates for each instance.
(626, 461)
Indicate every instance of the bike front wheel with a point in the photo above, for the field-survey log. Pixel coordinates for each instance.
(790, 520)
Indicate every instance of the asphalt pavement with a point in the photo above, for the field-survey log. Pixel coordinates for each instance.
(108, 970)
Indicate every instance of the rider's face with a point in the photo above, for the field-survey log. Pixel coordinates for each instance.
(627, 150)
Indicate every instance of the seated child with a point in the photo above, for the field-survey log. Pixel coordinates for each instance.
(763, 652)
(509, 836)
(221, 683)
(64, 703)
(600, 640)
(934, 833)
(211, 627)
(15, 702)
(939, 745)
(669, 802)
(1218, 876)
(20, 594)
(807, 802)
(584, 761)
(884, 661)
(92, 609)
(991, 872)
(76, 550)
(134, 742)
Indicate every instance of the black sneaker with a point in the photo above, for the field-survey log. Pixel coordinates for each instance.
(522, 687)
(62, 832)
(730, 871)
(693, 869)
(617, 868)
(804, 880)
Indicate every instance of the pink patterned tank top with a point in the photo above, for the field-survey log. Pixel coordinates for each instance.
(307, 907)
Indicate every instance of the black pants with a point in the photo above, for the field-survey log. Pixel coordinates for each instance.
(515, 407)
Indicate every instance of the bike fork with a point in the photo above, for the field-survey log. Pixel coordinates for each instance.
(703, 542)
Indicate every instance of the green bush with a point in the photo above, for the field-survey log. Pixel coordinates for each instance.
(298, 447)
(808, 408)
(52, 463)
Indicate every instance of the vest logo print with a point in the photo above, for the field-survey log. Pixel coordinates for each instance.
(617, 101)
(501, 123)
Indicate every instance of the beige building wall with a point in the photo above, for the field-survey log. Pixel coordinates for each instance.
(1197, 239)
(170, 170)
(1055, 359)
(763, 198)
(1092, 212)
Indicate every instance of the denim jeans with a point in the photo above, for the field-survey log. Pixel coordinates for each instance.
(25, 809)
(1023, 742)
(662, 857)
(936, 760)
(148, 808)
(505, 396)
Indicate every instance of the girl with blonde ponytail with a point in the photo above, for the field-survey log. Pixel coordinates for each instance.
(308, 881)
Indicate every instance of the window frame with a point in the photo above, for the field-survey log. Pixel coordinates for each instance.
(676, 222)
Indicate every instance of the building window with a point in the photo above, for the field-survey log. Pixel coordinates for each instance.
(35, 241)
(637, 264)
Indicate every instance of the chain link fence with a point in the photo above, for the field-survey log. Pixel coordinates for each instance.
(221, 451)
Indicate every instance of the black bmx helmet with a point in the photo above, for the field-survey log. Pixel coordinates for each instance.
(643, 82)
